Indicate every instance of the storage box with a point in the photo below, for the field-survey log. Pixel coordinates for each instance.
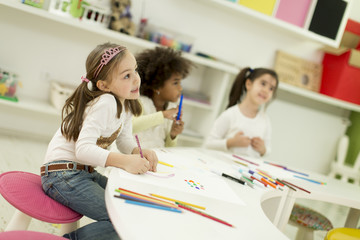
(263, 6)
(59, 93)
(341, 66)
(297, 71)
(294, 12)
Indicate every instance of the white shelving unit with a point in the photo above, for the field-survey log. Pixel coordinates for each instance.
(208, 76)
(35, 116)
(271, 21)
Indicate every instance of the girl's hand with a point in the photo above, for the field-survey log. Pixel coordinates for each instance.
(135, 164)
(176, 128)
(151, 156)
(239, 140)
(170, 113)
(258, 145)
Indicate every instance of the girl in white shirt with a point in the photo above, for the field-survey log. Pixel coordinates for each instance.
(244, 128)
(94, 116)
(161, 70)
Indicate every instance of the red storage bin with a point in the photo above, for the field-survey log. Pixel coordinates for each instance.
(341, 67)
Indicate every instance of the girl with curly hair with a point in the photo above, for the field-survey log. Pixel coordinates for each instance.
(161, 71)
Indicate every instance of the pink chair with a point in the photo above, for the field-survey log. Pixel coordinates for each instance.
(23, 190)
(28, 235)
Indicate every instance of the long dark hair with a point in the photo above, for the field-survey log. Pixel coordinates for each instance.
(74, 108)
(238, 88)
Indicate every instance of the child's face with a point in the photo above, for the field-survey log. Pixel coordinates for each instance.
(261, 89)
(172, 88)
(125, 81)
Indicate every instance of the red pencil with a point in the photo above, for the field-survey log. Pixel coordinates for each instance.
(203, 214)
(296, 186)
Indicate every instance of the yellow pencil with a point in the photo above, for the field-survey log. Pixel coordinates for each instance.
(166, 164)
(240, 163)
(174, 200)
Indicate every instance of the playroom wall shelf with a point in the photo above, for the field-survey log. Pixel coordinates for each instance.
(33, 114)
(278, 24)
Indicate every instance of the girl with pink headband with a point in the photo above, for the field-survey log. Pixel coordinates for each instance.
(98, 113)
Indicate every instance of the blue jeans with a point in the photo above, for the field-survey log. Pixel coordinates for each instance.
(83, 192)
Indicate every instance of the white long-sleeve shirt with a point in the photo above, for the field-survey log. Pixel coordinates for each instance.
(100, 128)
(151, 127)
(232, 121)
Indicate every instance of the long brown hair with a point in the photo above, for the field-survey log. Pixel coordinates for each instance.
(238, 88)
(75, 105)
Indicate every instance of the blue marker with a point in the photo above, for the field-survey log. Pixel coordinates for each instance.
(180, 105)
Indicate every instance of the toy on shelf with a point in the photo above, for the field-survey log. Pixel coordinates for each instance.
(8, 85)
(34, 3)
(91, 11)
(166, 37)
(121, 18)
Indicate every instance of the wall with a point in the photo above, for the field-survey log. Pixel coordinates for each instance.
(305, 132)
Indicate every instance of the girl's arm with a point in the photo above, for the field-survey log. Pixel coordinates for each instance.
(144, 122)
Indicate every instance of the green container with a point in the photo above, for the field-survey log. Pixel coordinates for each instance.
(354, 138)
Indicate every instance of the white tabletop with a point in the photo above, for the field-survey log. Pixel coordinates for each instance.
(236, 204)
(230, 201)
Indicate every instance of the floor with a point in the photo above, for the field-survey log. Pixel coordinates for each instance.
(25, 154)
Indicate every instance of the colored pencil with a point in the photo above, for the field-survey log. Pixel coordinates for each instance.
(174, 200)
(203, 214)
(138, 143)
(240, 163)
(296, 186)
(166, 164)
(287, 169)
(273, 164)
(144, 197)
(126, 197)
(311, 180)
(284, 184)
(245, 160)
(153, 206)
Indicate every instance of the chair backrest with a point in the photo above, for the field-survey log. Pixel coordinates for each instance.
(342, 149)
(357, 163)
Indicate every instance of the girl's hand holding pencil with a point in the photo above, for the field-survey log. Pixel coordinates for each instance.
(170, 113)
(151, 156)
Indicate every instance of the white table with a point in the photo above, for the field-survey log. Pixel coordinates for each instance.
(237, 204)
(136, 222)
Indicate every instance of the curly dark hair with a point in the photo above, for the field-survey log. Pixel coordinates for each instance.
(155, 66)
